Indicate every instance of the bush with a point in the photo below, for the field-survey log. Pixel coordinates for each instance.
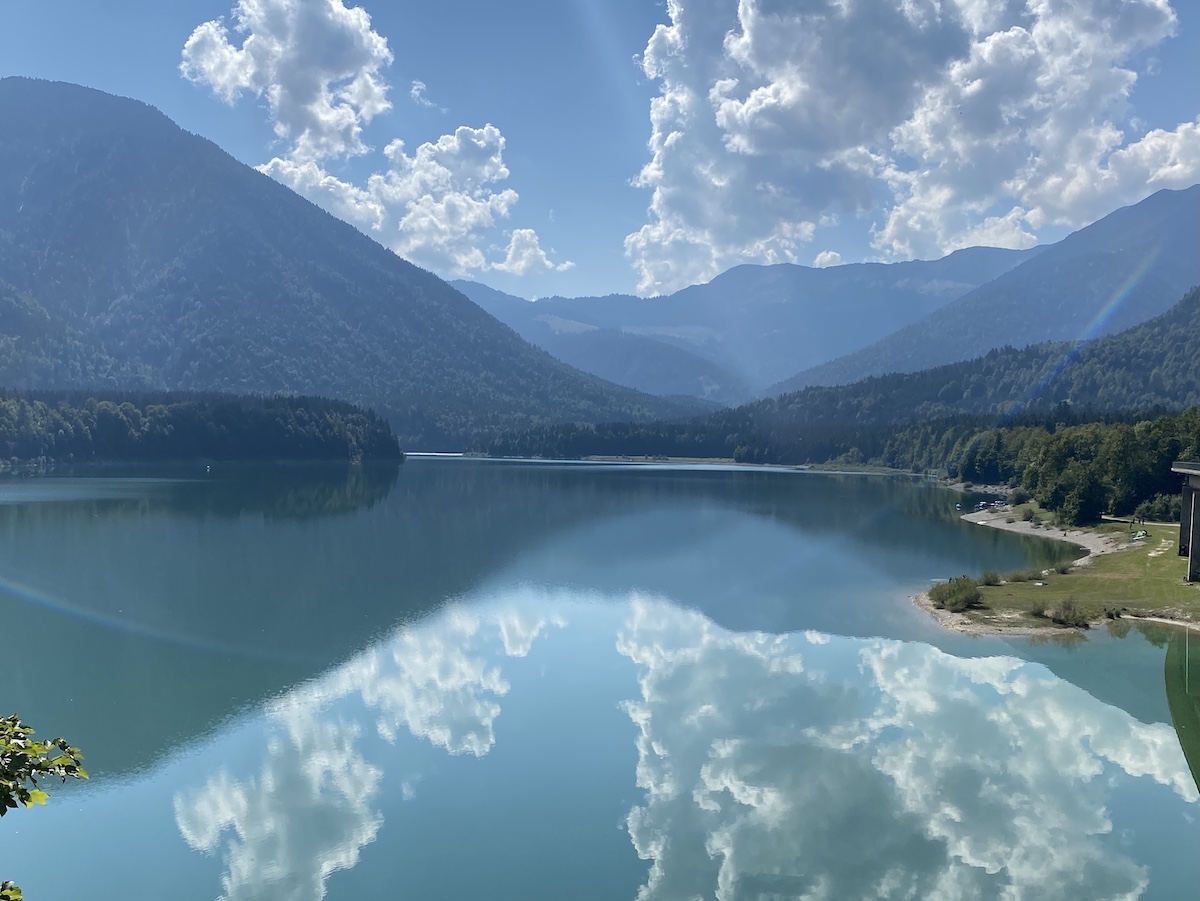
(1069, 614)
(956, 595)
(1162, 508)
(1063, 568)
(1018, 496)
(990, 578)
(1019, 576)
(1027, 514)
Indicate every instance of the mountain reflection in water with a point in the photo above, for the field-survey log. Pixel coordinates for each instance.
(800, 765)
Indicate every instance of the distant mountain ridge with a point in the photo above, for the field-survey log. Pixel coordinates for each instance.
(1153, 365)
(139, 255)
(749, 326)
(1121, 270)
(732, 338)
(636, 361)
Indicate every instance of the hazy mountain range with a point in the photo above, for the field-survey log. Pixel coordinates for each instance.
(1119, 271)
(1153, 365)
(765, 330)
(139, 255)
(134, 255)
(749, 327)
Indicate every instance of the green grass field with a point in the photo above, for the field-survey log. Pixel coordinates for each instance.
(1146, 579)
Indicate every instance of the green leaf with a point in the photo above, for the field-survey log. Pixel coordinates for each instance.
(37, 796)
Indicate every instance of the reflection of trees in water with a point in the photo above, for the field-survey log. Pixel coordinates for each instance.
(300, 491)
(278, 491)
(1182, 670)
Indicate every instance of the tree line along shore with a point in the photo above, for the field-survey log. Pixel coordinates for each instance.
(80, 427)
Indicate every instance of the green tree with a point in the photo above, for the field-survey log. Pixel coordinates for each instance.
(1084, 497)
(23, 762)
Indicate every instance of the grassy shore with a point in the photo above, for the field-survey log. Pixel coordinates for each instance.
(1121, 577)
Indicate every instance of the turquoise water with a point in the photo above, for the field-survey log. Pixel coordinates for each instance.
(470, 679)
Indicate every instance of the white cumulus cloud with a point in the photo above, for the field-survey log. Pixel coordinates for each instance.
(316, 63)
(525, 255)
(319, 64)
(827, 258)
(946, 123)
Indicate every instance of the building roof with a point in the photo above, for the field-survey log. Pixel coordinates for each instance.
(1187, 469)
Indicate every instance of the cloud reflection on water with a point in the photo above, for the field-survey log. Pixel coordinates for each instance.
(803, 766)
(306, 816)
(814, 768)
(309, 813)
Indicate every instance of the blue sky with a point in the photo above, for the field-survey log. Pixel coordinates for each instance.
(599, 146)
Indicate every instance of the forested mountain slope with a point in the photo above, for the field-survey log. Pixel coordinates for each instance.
(148, 256)
(41, 350)
(1152, 365)
(1123, 269)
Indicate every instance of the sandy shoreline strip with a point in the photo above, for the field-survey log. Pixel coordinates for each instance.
(1094, 542)
(960, 622)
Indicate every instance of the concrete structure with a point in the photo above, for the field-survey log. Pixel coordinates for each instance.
(1189, 518)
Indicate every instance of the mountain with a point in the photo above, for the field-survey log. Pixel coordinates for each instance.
(41, 350)
(139, 255)
(762, 323)
(1123, 269)
(1152, 365)
(632, 360)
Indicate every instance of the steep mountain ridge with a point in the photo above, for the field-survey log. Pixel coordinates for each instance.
(170, 259)
(1123, 269)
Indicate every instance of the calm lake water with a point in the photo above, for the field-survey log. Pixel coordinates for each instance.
(468, 679)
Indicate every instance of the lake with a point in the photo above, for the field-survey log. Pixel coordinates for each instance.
(477, 679)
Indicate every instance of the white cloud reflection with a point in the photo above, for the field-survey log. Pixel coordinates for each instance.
(802, 766)
(285, 832)
(310, 811)
(874, 769)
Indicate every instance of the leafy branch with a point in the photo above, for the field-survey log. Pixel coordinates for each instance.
(24, 761)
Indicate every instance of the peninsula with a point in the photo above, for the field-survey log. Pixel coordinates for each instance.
(1126, 570)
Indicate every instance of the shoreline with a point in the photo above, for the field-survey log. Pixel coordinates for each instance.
(964, 625)
(1093, 543)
